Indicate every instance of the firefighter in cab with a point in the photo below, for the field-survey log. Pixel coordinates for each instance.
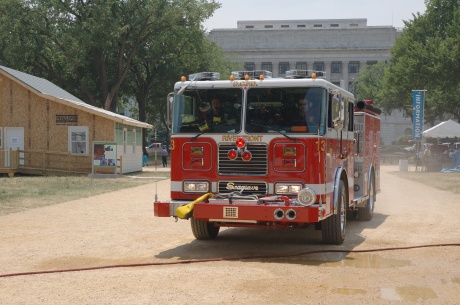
(211, 114)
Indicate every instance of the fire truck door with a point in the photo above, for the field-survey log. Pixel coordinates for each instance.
(335, 140)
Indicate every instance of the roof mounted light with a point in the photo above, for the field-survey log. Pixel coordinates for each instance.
(305, 74)
(204, 76)
(256, 74)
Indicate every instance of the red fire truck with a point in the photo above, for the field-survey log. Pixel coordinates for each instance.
(262, 152)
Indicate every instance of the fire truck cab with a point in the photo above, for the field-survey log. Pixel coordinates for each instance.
(263, 152)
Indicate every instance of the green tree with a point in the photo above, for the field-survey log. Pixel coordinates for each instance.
(420, 59)
(370, 83)
(90, 47)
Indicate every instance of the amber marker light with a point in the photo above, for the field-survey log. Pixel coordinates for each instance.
(299, 128)
(289, 151)
(232, 78)
(261, 77)
(313, 75)
(246, 77)
(232, 154)
(182, 79)
(240, 142)
(246, 155)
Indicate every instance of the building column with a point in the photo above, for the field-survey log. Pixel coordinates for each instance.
(327, 69)
(344, 80)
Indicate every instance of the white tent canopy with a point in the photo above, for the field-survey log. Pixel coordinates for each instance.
(447, 129)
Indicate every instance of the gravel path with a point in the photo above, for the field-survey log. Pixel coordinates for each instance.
(119, 228)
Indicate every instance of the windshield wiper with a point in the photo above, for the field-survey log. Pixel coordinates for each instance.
(195, 137)
(281, 132)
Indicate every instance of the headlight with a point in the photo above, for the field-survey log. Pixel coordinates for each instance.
(306, 197)
(196, 187)
(281, 188)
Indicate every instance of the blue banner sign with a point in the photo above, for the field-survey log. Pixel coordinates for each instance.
(418, 97)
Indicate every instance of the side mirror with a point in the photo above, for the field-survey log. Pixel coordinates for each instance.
(338, 113)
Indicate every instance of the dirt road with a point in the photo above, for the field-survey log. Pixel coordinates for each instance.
(119, 228)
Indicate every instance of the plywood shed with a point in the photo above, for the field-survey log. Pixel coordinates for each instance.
(54, 130)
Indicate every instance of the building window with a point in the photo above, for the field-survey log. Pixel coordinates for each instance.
(301, 66)
(334, 25)
(351, 87)
(371, 62)
(318, 66)
(267, 66)
(249, 26)
(269, 26)
(283, 26)
(249, 66)
(353, 67)
(336, 83)
(353, 24)
(407, 115)
(283, 67)
(301, 25)
(317, 25)
(78, 139)
(336, 67)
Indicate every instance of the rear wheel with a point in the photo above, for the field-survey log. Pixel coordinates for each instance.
(203, 229)
(333, 227)
(366, 213)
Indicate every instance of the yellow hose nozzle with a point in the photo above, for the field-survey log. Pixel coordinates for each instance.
(185, 211)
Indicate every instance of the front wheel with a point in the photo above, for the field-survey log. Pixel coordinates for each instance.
(203, 229)
(333, 227)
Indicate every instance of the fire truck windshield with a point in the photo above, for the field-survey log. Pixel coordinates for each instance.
(208, 111)
(286, 110)
(267, 110)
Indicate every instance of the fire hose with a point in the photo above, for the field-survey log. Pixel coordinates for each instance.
(190, 261)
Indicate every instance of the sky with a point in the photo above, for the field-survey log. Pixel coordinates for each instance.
(377, 12)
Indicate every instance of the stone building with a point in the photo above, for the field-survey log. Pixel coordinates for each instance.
(340, 47)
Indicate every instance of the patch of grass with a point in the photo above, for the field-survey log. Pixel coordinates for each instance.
(443, 181)
(21, 193)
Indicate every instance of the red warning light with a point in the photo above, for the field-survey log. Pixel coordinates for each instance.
(246, 155)
(240, 142)
(232, 154)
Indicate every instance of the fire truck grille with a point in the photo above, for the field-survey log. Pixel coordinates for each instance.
(257, 166)
(248, 187)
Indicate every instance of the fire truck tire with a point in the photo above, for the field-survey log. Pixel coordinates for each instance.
(366, 213)
(203, 230)
(333, 227)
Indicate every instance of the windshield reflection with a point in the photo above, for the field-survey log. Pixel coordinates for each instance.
(208, 111)
(291, 110)
(268, 110)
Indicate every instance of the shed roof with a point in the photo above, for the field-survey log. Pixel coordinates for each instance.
(49, 90)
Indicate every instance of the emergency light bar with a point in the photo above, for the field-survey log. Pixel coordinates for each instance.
(305, 74)
(204, 76)
(257, 74)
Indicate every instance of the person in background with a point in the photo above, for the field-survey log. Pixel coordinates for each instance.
(145, 157)
(455, 156)
(164, 156)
